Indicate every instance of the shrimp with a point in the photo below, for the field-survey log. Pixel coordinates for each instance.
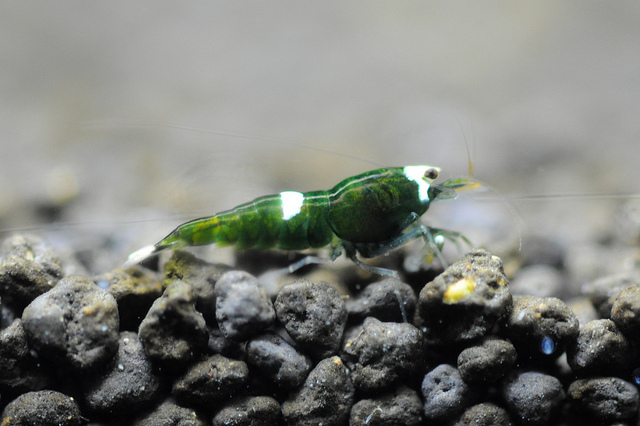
(366, 216)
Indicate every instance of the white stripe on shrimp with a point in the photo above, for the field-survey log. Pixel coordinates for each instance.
(416, 174)
(291, 203)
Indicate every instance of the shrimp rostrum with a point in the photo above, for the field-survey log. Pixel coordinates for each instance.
(364, 216)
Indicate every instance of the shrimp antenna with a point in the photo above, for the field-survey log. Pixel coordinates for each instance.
(466, 145)
(281, 141)
(471, 183)
(575, 196)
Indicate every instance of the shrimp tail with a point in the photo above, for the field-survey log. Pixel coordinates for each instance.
(140, 255)
(151, 250)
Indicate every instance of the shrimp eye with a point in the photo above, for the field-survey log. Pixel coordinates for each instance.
(431, 173)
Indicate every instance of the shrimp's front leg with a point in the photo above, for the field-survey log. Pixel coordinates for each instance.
(413, 229)
(351, 251)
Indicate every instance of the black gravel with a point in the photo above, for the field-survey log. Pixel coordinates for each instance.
(243, 308)
(129, 382)
(173, 330)
(214, 379)
(484, 414)
(464, 303)
(75, 323)
(202, 344)
(605, 398)
(383, 354)
(134, 290)
(600, 350)
(200, 275)
(29, 268)
(279, 362)
(387, 300)
(399, 407)
(325, 397)
(540, 327)
(249, 411)
(42, 408)
(604, 291)
(314, 315)
(624, 311)
(20, 370)
(168, 413)
(445, 394)
(532, 397)
(488, 361)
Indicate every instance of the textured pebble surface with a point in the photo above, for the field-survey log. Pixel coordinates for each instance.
(196, 343)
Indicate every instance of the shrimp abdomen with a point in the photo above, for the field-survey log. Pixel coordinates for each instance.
(289, 221)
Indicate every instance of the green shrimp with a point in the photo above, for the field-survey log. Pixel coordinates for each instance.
(366, 215)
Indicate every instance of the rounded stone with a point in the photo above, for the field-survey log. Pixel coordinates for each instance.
(76, 323)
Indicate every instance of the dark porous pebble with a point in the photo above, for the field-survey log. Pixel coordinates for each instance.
(325, 397)
(445, 394)
(134, 290)
(8, 315)
(314, 315)
(28, 268)
(201, 275)
(42, 408)
(532, 397)
(19, 370)
(210, 381)
(249, 411)
(388, 300)
(606, 398)
(603, 291)
(173, 331)
(399, 408)
(600, 350)
(243, 307)
(75, 323)
(129, 383)
(625, 312)
(170, 414)
(540, 327)
(383, 354)
(218, 344)
(488, 361)
(484, 414)
(464, 302)
(538, 280)
(277, 360)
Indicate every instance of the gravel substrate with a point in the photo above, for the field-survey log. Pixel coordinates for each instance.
(203, 344)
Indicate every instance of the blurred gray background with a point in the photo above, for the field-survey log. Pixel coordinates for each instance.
(129, 118)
